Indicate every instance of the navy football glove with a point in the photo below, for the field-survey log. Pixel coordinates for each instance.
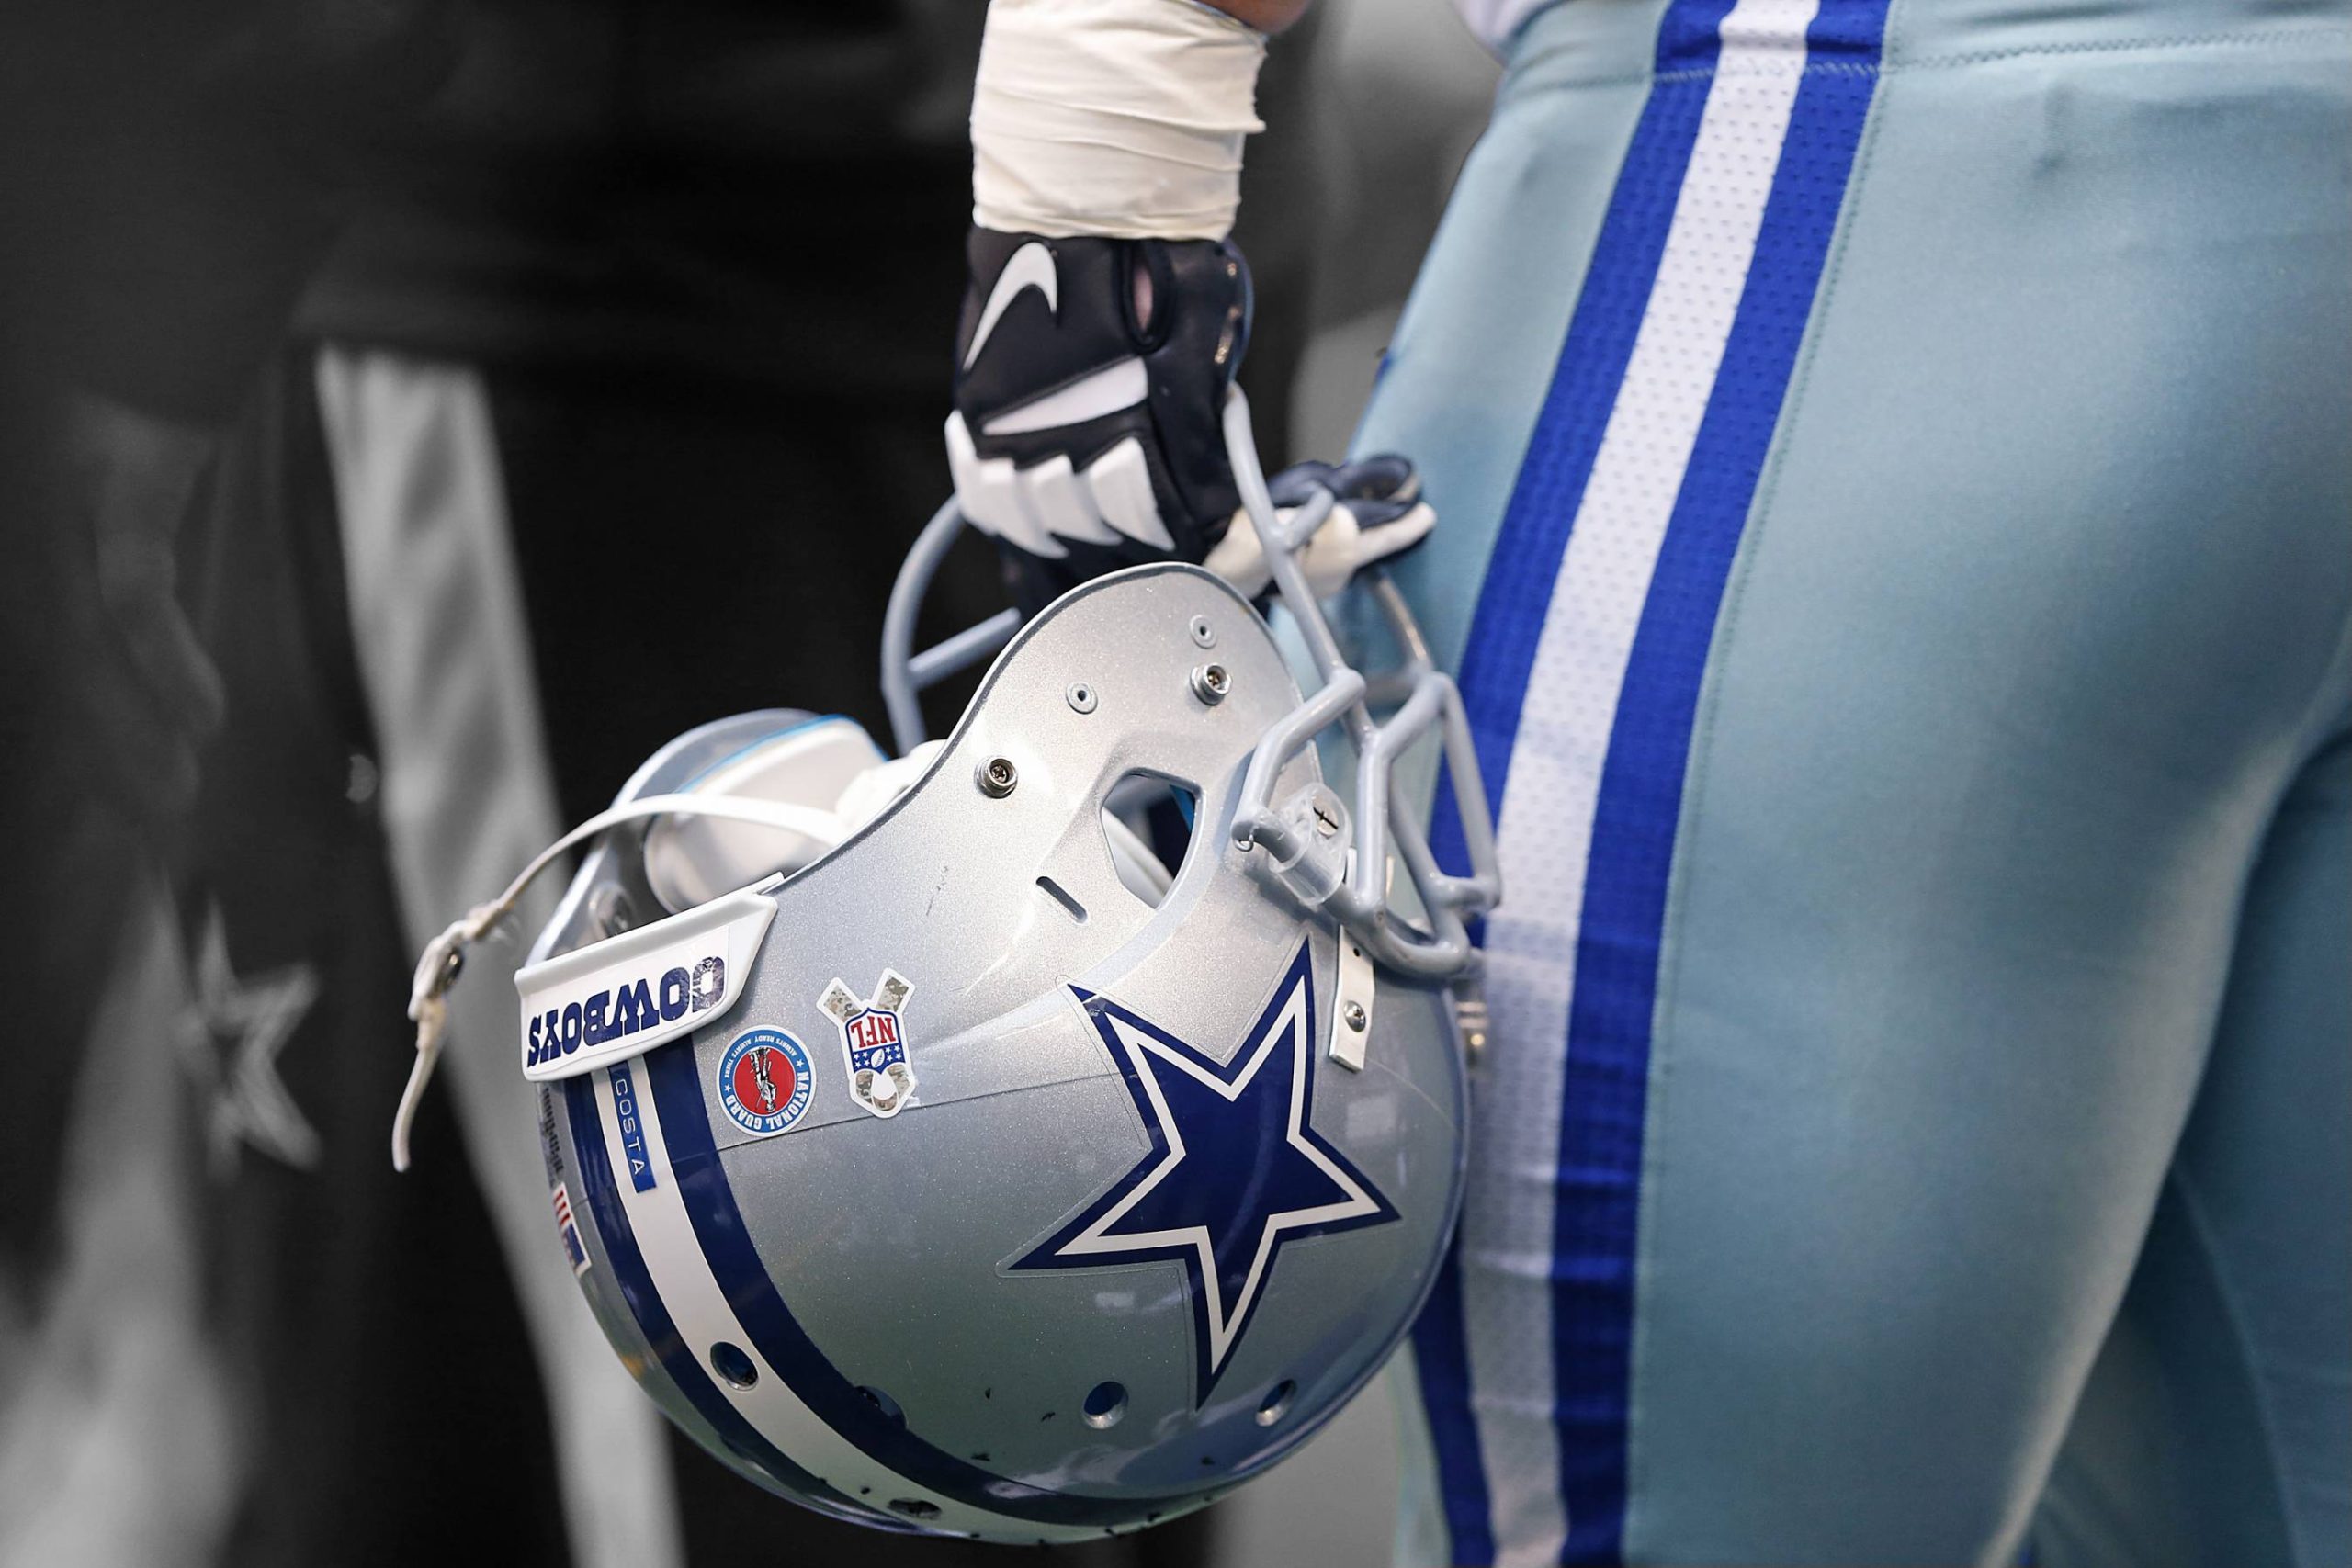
(1091, 380)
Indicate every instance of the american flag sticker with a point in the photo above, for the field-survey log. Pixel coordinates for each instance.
(569, 1229)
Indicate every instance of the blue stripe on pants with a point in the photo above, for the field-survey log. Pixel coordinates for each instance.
(1595, 1216)
(1596, 1204)
(1516, 594)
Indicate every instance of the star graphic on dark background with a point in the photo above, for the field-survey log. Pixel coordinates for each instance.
(1234, 1174)
(231, 1035)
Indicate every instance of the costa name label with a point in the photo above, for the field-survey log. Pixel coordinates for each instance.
(620, 998)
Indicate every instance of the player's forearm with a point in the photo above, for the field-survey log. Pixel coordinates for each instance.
(1269, 16)
(1116, 118)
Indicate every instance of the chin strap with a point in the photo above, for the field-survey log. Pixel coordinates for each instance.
(445, 955)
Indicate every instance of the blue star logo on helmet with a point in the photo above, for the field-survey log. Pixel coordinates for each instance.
(1235, 1173)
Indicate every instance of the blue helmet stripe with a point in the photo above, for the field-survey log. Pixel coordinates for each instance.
(750, 1292)
(684, 1368)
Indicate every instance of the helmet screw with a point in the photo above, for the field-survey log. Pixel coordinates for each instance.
(1204, 634)
(1082, 698)
(1210, 683)
(996, 777)
(1353, 1012)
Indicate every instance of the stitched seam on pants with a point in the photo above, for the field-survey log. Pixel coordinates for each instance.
(1662, 1055)
(2296, 39)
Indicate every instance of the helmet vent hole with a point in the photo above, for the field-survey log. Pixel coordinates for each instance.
(1276, 1404)
(888, 1405)
(914, 1508)
(1062, 895)
(1147, 826)
(735, 1368)
(1105, 1403)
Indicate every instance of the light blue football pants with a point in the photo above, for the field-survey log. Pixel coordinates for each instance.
(1894, 471)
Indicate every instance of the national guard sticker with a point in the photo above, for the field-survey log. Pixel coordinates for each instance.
(872, 1042)
(765, 1081)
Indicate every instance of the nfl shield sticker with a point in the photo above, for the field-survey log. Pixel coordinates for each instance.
(873, 1044)
(764, 1081)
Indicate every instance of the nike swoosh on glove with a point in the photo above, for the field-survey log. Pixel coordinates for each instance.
(1090, 377)
(1378, 512)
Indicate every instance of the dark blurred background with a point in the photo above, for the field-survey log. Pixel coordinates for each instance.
(412, 414)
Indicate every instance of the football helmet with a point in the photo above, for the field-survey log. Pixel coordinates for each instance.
(1037, 1135)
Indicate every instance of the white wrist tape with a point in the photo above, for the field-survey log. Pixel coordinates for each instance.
(1116, 118)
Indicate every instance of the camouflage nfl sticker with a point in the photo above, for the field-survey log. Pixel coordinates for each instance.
(873, 1044)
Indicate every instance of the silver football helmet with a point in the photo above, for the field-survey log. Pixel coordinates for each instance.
(1037, 1135)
